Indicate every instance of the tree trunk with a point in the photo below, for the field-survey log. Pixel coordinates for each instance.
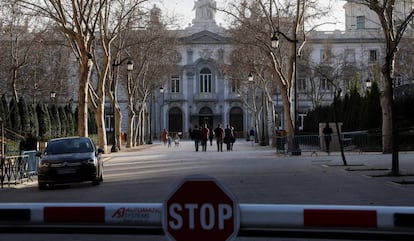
(386, 123)
(131, 118)
(386, 105)
(287, 105)
(100, 120)
(118, 125)
(83, 95)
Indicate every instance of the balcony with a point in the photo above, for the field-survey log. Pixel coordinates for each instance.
(174, 97)
(205, 97)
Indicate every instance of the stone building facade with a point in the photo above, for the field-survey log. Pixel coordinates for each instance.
(199, 93)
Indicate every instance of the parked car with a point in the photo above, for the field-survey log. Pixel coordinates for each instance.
(70, 160)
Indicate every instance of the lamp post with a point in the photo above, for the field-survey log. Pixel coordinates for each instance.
(149, 120)
(275, 44)
(263, 141)
(130, 68)
(161, 106)
(2, 137)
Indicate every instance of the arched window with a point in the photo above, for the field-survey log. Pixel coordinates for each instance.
(205, 81)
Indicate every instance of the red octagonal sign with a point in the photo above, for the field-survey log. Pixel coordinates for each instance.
(201, 209)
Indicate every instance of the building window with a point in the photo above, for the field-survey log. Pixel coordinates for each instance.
(350, 55)
(109, 120)
(360, 22)
(325, 84)
(326, 56)
(175, 84)
(235, 86)
(301, 84)
(205, 81)
(373, 55)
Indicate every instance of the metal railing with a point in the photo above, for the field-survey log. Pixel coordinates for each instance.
(356, 141)
(16, 169)
(256, 220)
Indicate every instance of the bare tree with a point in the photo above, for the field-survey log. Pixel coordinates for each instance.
(251, 79)
(78, 21)
(114, 21)
(258, 21)
(152, 49)
(90, 28)
(394, 17)
(17, 44)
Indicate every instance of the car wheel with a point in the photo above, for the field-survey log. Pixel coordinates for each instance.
(96, 181)
(42, 186)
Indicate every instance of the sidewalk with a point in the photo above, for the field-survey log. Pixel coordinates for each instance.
(354, 159)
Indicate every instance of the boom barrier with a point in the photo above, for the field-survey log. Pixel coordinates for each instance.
(267, 220)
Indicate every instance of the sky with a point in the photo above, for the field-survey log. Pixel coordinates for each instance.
(183, 9)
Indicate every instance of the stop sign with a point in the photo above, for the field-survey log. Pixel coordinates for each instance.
(201, 209)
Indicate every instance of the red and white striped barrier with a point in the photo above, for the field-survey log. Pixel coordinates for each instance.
(252, 216)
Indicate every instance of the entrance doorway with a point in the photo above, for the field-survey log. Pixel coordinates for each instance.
(175, 120)
(236, 120)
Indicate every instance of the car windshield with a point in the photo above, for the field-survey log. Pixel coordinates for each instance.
(68, 146)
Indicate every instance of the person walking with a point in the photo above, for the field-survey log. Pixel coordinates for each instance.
(164, 136)
(219, 133)
(205, 133)
(30, 143)
(228, 135)
(252, 135)
(233, 137)
(211, 137)
(196, 136)
(327, 133)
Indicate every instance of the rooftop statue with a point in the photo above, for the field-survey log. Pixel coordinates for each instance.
(205, 9)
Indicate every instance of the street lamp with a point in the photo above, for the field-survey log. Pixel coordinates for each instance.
(368, 83)
(130, 68)
(2, 137)
(52, 95)
(161, 106)
(275, 44)
(274, 40)
(250, 77)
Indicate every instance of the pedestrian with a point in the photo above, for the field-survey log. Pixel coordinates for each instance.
(327, 133)
(252, 135)
(30, 143)
(190, 131)
(196, 136)
(164, 136)
(228, 135)
(169, 140)
(205, 133)
(176, 140)
(211, 137)
(219, 134)
(22, 145)
(233, 138)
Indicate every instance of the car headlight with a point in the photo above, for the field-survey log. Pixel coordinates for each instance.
(90, 161)
(44, 164)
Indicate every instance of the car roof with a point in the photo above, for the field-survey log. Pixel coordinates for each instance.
(69, 138)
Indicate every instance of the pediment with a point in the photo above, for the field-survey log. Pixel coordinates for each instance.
(205, 37)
